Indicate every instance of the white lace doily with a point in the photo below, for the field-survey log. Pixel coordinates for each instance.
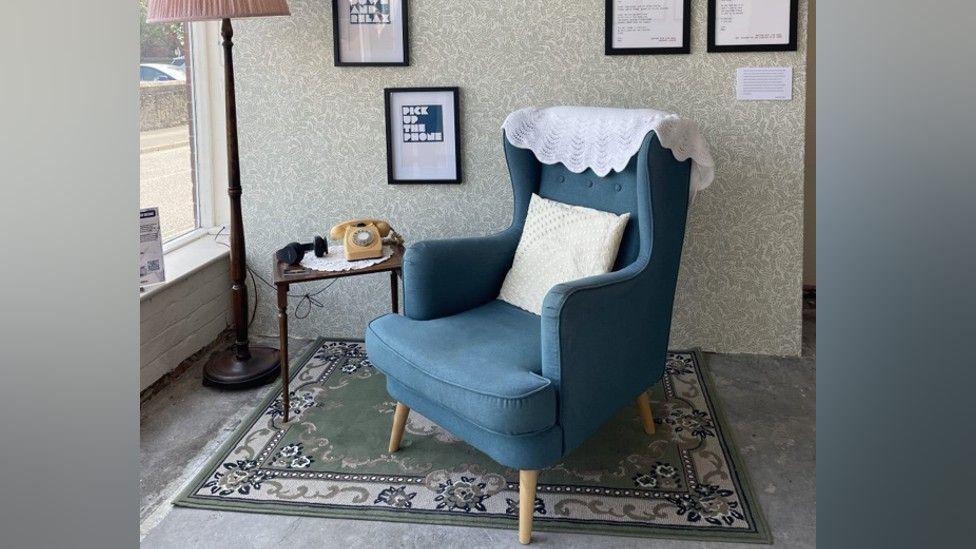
(335, 260)
(605, 139)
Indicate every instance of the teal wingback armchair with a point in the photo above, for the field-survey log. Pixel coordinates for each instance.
(528, 389)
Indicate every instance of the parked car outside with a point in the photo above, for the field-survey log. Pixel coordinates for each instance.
(160, 72)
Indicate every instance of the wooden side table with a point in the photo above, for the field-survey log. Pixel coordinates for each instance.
(283, 279)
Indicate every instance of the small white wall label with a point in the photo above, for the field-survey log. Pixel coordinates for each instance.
(764, 83)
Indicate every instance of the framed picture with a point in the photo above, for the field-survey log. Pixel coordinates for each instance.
(423, 135)
(370, 33)
(752, 25)
(647, 27)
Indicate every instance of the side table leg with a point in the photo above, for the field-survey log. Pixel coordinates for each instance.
(394, 295)
(283, 344)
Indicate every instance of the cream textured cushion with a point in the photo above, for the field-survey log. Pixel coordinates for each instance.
(559, 243)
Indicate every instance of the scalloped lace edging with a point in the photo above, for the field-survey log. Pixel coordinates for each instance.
(605, 139)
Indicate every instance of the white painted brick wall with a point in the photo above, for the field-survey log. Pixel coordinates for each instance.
(182, 319)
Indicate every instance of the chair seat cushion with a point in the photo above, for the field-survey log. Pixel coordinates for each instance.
(483, 364)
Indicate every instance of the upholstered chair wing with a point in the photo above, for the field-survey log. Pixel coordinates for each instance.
(527, 389)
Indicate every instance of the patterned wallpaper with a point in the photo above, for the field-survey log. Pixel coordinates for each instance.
(313, 152)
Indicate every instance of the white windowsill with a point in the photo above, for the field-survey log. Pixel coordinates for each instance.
(189, 256)
(176, 243)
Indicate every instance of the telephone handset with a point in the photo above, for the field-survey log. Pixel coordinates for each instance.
(361, 238)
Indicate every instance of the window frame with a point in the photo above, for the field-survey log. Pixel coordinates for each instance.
(206, 132)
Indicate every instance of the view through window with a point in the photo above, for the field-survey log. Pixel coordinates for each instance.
(166, 150)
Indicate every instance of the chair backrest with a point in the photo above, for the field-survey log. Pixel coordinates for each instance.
(616, 192)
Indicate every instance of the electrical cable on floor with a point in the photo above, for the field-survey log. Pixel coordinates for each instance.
(307, 297)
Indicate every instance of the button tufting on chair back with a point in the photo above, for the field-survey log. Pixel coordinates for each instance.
(616, 192)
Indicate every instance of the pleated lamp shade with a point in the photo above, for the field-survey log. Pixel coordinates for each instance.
(168, 11)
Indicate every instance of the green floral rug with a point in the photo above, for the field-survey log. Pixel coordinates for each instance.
(686, 481)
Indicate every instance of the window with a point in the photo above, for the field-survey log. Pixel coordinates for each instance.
(175, 126)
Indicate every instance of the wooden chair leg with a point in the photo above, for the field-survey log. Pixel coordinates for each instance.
(399, 422)
(644, 409)
(527, 483)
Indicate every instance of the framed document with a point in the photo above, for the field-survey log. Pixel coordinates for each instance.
(423, 138)
(647, 27)
(370, 33)
(752, 25)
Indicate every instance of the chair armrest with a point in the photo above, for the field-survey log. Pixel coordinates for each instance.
(604, 341)
(445, 277)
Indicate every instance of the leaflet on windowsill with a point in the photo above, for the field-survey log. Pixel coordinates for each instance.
(151, 269)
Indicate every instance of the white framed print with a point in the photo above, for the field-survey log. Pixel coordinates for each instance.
(423, 137)
(370, 33)
(647, 27)
(752, 25)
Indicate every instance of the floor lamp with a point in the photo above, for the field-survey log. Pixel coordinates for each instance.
(243, 365)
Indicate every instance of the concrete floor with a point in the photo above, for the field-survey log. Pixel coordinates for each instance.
(769, 401)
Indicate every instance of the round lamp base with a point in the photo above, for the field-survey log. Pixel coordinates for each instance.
(226, 371)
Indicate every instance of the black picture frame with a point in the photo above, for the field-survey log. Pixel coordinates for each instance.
(789, 46)
(337, 55)
(387, 100)
(609, 49)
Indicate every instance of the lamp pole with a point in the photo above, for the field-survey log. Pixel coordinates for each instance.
(237, 254)
(243, 366)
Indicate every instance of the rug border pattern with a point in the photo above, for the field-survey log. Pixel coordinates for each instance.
(760, 534)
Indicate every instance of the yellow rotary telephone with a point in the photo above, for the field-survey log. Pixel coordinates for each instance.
(361, 238)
